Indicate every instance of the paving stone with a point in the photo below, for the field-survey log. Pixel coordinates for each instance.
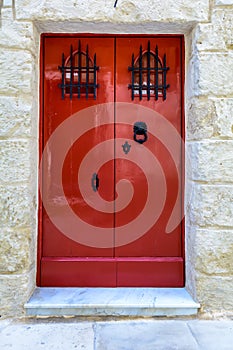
(59, 336)
(149, 335)
(213, 335)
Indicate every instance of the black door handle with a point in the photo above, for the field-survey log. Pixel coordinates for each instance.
(140, 128)
(95, 182)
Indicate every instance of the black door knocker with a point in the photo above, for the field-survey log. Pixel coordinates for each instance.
(140, 128)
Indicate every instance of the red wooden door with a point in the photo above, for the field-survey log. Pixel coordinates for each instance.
(106, 198)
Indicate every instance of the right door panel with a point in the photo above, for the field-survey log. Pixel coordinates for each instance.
(153, 257)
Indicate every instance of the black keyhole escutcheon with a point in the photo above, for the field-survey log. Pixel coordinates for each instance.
(95, 182)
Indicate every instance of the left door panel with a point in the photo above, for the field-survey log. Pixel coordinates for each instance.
(72, 127)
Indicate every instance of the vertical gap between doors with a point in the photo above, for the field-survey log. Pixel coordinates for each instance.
(114, 176)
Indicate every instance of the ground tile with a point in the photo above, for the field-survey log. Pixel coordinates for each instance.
(149, 335)
(47, 336)
(213, 335)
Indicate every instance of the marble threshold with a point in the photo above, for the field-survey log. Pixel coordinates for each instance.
(134, 302)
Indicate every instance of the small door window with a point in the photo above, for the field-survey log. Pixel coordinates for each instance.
(149, 74)
(79, 74)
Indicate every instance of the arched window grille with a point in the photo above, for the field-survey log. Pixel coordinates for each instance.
(79, 74)
(148, 74)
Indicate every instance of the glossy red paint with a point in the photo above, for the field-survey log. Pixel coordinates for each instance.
(155, 259)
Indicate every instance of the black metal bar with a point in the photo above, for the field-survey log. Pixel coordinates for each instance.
(164, 78)
(148, 71)
(140, 73)
(79, 68)
(71, 72)
(132, 77)
(91, 69)
(115, 3)
(156, 74)
(95, 69)
(63, 76)
(87, 71)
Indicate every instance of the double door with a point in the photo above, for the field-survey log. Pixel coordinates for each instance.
(111, 161)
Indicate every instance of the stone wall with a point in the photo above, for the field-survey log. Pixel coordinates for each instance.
(208, 28)
(209, 134)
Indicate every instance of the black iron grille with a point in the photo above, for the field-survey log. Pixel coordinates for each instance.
(79, 74)
(148, 74)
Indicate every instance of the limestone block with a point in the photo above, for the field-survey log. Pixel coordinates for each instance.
(16, 72)
(17, 206)
(200, 119)
(15, 116)
(7, 3)
(14, 292)
(192, 72)
(213, 251)
(190, 257)
(16, 34)
(210, 205)
(15, 250)
(15, 160)
(224, 117)
(210, 161)
(206, 38)
(209, 118)
(103, 10)
(215, 293)
(215, 75)
(224, 2)
(216, 35)
(222, 20)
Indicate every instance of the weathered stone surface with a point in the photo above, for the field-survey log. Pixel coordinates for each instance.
(16, 70)
(15, 116)
(210, 161)
(192, 72)
(16, 34)
(14, 291)
(206, 38)
(144, 335)
(7, 3)
(223, 121)
(190, 258)
(149, 27)
(210, 74)
(15, 250)
(15, 160)
(213, 251)
(209, 205)
(215, 74)
(224, 2)
(200, 123)
(214, 293)
(117, 335)
(17, 206)
(52, 336)
(216, 35)
(102, 10)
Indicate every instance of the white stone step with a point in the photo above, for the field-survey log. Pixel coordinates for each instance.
(111, 302)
